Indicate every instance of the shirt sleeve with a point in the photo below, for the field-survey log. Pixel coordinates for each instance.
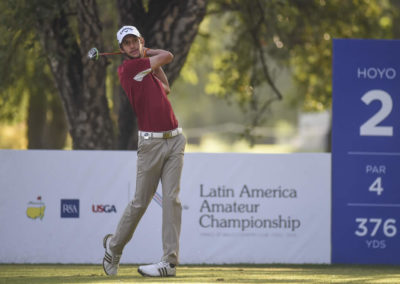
(137, 68)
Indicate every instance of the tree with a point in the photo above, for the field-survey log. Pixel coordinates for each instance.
(68, 29)
(293, 34)
(82, 83)
(259, 37)
(25, 79)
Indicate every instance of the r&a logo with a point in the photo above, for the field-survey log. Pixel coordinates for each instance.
(69, 208)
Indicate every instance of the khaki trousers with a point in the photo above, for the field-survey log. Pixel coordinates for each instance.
(158, 159)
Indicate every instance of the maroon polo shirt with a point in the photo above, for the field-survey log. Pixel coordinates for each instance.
(147, 96)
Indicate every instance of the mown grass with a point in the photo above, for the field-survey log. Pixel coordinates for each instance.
(19, 273)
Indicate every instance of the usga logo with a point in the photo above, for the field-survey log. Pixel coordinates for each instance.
(104, 208)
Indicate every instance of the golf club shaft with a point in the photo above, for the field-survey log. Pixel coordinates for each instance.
(109, 53)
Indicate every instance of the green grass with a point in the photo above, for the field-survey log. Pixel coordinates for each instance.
(20, 273)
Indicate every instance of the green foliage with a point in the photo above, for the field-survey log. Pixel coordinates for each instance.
(23, 66)
(27, 91)
(242, 49)
(311, 57)
(256, 35)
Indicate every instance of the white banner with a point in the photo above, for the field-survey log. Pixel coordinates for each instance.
(56, 207)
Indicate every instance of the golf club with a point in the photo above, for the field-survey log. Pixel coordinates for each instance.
(94, 53)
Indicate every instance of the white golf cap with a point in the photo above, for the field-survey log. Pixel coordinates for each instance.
(127, 30)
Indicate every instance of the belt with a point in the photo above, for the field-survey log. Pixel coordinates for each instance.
(164, 134)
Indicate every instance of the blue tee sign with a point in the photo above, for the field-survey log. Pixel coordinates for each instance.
(366, 152)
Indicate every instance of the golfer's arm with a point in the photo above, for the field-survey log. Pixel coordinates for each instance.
(158, 58)
(159, 73)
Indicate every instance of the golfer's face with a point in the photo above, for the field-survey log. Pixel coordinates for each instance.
(131, 46)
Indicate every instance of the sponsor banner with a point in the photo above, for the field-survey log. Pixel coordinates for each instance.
(236, 207)
(256, 208)
(47, 203)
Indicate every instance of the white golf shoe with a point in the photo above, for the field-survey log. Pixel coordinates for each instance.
(161, 269)
(110, 260)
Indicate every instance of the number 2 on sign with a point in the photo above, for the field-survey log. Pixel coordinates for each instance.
(371, 127)
(376, 186)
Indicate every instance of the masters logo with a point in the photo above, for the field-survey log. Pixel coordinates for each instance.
(36, 209)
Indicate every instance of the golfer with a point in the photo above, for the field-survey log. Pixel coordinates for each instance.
(160, 153)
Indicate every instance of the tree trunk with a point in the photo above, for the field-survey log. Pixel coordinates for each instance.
(81, 83)
(56, 126)
(36, 120)
(43, 132)
(127, 125)
(171, 25)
